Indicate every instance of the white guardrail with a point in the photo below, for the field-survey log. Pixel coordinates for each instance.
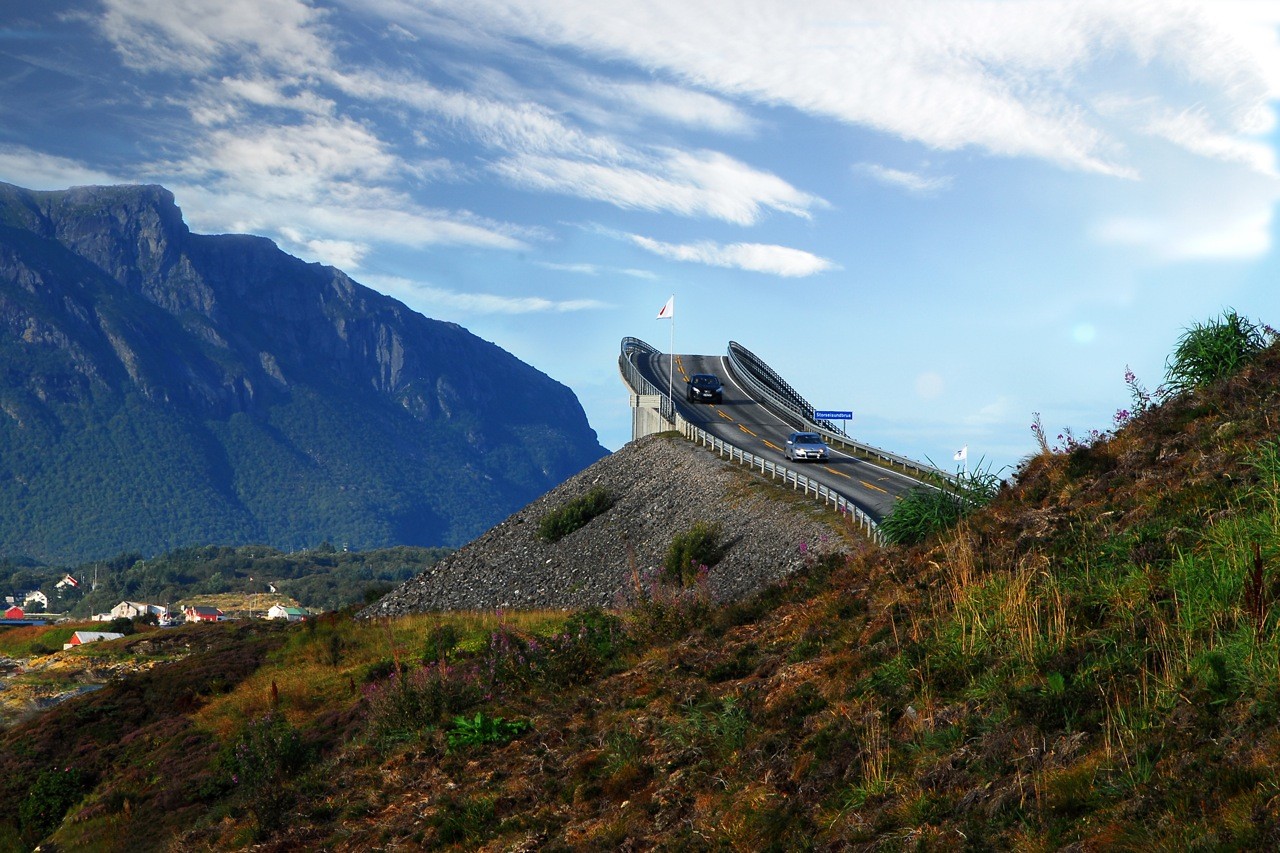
(768, 388)
(797, 481)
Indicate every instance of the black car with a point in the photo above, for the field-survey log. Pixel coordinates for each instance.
(704, 388)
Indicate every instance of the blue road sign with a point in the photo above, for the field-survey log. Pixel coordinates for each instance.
(833, 416)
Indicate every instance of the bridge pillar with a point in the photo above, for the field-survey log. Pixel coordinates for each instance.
(646, 415)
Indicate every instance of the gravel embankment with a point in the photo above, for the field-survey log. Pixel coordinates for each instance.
(663, 485)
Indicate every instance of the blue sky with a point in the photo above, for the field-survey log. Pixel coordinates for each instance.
(942, 216)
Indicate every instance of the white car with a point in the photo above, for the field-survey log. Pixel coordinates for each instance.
(806, 446)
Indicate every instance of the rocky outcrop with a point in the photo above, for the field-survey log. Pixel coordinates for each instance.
(662, 486)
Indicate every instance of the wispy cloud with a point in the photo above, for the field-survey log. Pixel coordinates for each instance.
(754, 257)
(595, 270)
(37, 171)
(419, 294)
(197, 36)
(1012, 79)
(911, 181)
(702, 183)
(679, 105)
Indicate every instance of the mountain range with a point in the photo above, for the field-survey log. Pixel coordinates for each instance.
(161, 388)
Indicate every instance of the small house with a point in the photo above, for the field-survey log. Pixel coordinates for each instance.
(14, 612)
(291, 614)
(134, 609)
(201, 613)
(35, 597)
(79, 638)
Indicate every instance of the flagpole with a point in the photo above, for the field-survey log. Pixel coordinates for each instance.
(671, 360)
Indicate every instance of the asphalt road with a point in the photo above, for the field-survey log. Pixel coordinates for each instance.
(743, 422)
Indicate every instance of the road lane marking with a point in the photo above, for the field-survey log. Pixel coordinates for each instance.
(838, 473)
(747, 431)
(870, 486)
(723, 415)
(768, 443)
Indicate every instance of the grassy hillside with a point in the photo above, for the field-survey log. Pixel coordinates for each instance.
(1090, 661)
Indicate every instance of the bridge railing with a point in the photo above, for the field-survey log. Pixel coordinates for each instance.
(788, 476)
(770, 389)
(632, 347)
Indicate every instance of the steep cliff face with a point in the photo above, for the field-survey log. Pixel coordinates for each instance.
(291, 403)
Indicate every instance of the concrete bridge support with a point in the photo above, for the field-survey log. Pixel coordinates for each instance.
(646, 415)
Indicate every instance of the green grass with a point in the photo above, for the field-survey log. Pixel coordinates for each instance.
(574, 514)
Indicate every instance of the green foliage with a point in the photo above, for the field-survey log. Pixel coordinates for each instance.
(121, 625)
(930, 509)
(483, 730)
(459, 821)
(592, 642)
(574, 514)
(266, 755)
(720, 726)
(402, 706)
(1213, 350)
(52, 795)
(441, 640)
(692, 553)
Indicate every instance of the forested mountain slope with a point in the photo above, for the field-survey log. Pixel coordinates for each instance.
(160, 388)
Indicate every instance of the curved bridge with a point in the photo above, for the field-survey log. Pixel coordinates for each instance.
(751, 425)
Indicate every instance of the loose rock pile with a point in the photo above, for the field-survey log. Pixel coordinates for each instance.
(662, 486)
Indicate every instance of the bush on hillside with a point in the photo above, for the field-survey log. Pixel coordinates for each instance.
(574, 515)
(1214, 350)
(690, 552)
(930, 509)
(50, 798)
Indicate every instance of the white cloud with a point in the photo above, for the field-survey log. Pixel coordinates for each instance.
(595, 270)
(1014, 79)
(331, 180)
(704, 183)
(754, 257)
(1192, 130)
(417, 293)
(911, 181)
(37, 171)
(680, 105)
(1193, 235)
(343, 254)
(196, 35)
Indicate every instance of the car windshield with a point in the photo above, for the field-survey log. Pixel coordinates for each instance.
(704, 381)
(808, 438)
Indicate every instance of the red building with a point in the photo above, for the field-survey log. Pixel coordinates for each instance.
(14, 612)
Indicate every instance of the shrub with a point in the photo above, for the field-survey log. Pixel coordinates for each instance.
(51, 796)
(441, 641)
(266, 755)
(1210, 351)
(692, 552)
(401, 707)
(121, 625)
(930, 509)
(574, 515)
(590, 642)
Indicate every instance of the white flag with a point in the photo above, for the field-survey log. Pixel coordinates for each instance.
(668, 311)
(962, 454)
